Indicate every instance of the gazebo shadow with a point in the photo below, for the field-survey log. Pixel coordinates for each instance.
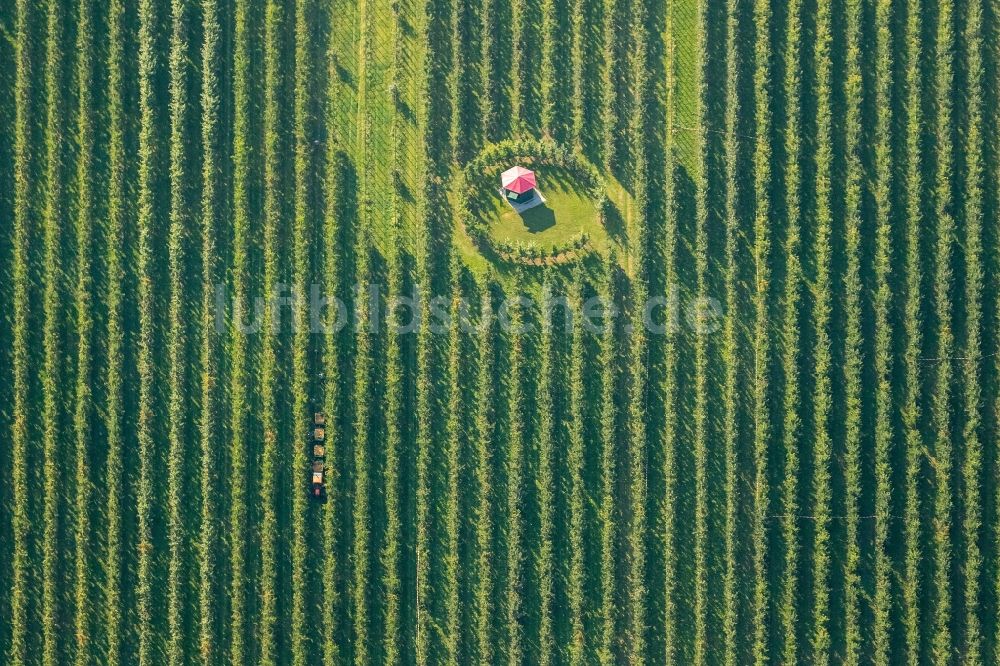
(539, 218)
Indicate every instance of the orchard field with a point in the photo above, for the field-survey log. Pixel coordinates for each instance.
(778, 445)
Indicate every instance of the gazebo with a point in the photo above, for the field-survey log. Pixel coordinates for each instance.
(518, 184)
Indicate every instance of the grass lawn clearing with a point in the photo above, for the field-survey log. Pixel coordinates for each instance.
(566, 212)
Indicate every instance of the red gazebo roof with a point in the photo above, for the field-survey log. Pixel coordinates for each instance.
(518, 179)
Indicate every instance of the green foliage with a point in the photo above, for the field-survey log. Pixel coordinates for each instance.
(423, 495)
(972, 521)
(514, 605)
(821, 464)
(546, 481)
(395, 419)
(670, 392)
(336, 216)
(482, 173)
(151, 148)
(424, 498)
(548, 71)
(761, 337)
(853, 334)
(820, 639)
(119, 213)
(209, 544)
(791, 342)
(701, 352)
(520, 74)
(496, 157)
(914, 334)
(608, 512)
(84, 405)
(485, 430)
(305, 166)
(271, 377)
(734, 221)
(492, 122)
(464, 134)
(363, 370)
(456, 435)
(182, 214)
(25, 228)
(613, 77)
(579, 499)
(527, 253)
(242, 356)
(578, 117)
(884, 407)
(942, 643)
(638, 400)
(55, 291)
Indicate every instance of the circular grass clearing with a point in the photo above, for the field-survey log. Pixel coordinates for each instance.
(567, 225)
(568, 210)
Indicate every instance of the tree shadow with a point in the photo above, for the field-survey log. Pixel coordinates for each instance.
(613, 223)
